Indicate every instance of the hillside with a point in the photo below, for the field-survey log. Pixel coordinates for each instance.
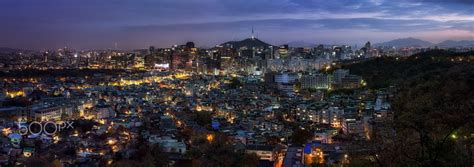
(385, 71)
(249, 43)
(433, 100)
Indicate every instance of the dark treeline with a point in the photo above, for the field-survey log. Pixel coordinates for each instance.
(384, 71)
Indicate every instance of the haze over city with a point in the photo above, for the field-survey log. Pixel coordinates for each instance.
(91, 24)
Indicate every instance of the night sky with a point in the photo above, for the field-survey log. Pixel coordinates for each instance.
(98, 24)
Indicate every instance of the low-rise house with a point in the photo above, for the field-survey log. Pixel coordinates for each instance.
(264, 152)
(46, 113)
(168, 144)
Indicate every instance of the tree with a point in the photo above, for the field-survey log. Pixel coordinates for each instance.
(431, 112)
(250, 160)
(160, 158)
(56, 163)
(126, 163)
(219, 152)
(203, 118)
(433, 122)
(301, 136)
(235, 83)
(37, 162)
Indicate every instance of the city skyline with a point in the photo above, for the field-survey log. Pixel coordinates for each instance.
(131, 24)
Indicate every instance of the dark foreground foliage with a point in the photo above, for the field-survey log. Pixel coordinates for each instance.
(434, 110)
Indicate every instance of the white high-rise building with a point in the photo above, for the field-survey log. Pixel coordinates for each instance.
(315, 81)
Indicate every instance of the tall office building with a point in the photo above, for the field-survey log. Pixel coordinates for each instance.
(315, 81)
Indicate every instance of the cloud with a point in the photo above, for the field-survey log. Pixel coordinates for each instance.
(469, 2)
(145, 22)
(390, 25)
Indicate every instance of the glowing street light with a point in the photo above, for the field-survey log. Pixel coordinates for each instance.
(210, 137)
(111, 142)
(454, 136)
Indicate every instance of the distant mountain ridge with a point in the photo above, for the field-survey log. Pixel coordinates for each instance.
(452, 43)
(7, 50)
(405, 42)
(249, 43)
(300, 44)
(413, 42)
(304, 44)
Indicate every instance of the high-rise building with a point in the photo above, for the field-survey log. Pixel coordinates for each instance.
(368, 45)
(339, 74)
(151, 50)
(189, 45)
(283, 51)
(315, 81)
(285, 78)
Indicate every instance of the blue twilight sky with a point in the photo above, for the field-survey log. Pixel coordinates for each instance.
(97, 24)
